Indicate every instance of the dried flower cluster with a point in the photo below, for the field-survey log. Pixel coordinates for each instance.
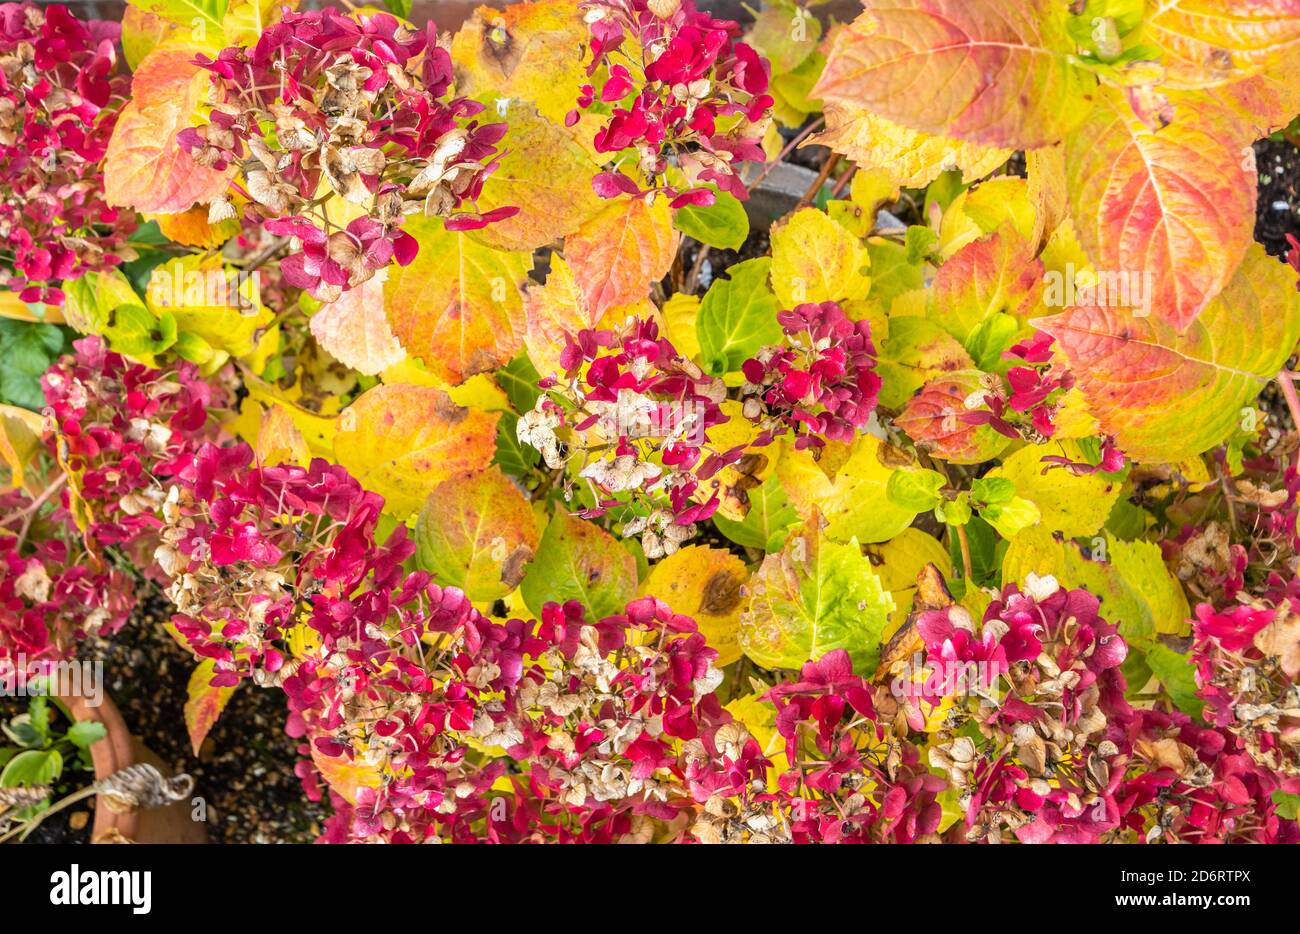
(116, 429)
(331, 117)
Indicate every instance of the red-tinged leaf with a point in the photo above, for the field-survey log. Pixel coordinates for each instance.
(145, 167)
(620, 251)
(1213, 42)
(1178, 203)
(459, 305)
(204, 703)
(933, 418)
(354, 330)
(1168, 396)
(987, 71)
(997, 274)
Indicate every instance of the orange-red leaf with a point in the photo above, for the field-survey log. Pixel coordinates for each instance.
(620, 251)
(145, 168)
(1178, 203)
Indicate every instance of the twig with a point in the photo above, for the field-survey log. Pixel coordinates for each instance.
(789, 148)
(817, 184)
(693, 277)
(965, 552)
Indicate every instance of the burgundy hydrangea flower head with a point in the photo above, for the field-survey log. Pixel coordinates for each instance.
(1029, 410)
(630, 395)
(698, 108)
(61, 88)
(355, 109)
(115, 431)
(821, 383)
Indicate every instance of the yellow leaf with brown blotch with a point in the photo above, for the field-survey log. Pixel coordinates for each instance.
(477, 532)
(706, 584)
(402, 441)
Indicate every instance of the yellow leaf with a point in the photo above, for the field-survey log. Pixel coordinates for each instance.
(914, 159)
(1075, 506)
(204, 703)
(899, 561)
(279, 441)
(617, 254)
(354, 329)
(853, 501)
(705, 584)
(814, 259)
(402, 441)
(459, 305)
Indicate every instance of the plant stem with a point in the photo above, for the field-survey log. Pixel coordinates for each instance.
(965, 551)
(1284, 378)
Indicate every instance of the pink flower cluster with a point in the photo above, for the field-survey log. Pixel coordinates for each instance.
(632, 393)
(61, 87)
(821, 383)
(687, 95)
(355, 110)
(115, 430)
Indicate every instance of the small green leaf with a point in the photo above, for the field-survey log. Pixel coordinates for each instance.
(578, 560)
(85, 733)
(1177, 674)
(723, 224)
(916, 489)
(737, 317)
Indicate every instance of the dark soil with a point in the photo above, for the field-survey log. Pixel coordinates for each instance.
(244, 770)
(1278, 209)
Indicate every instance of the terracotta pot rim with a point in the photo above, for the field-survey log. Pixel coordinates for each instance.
(110, 754)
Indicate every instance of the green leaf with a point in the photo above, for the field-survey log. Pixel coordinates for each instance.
(32, 767)
(191, 14)
(84, 733)
(737, 317)
(27, 348)
(768, 522)
(1012, 517)
(518, 379)
(723, 224)
(400, 8)
(990, 340)
(812, 597)
(578, 560)
(916, 489)
(992, 491)
(1178, 675)
(511, 456)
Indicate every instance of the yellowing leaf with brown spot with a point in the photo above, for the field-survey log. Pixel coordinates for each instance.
(912, 158)
(354, 330)
(617, 254)
(1213, 42)
(145, 168)
(552, 309)
(546, 175)
(477, 532)
(459, 305)
(279, 441)
(402, 441)
(851, 500)
(988, 71)
(204, 703)
(1176, 206)
(526, 51)
(705, 584)
(814, 259)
